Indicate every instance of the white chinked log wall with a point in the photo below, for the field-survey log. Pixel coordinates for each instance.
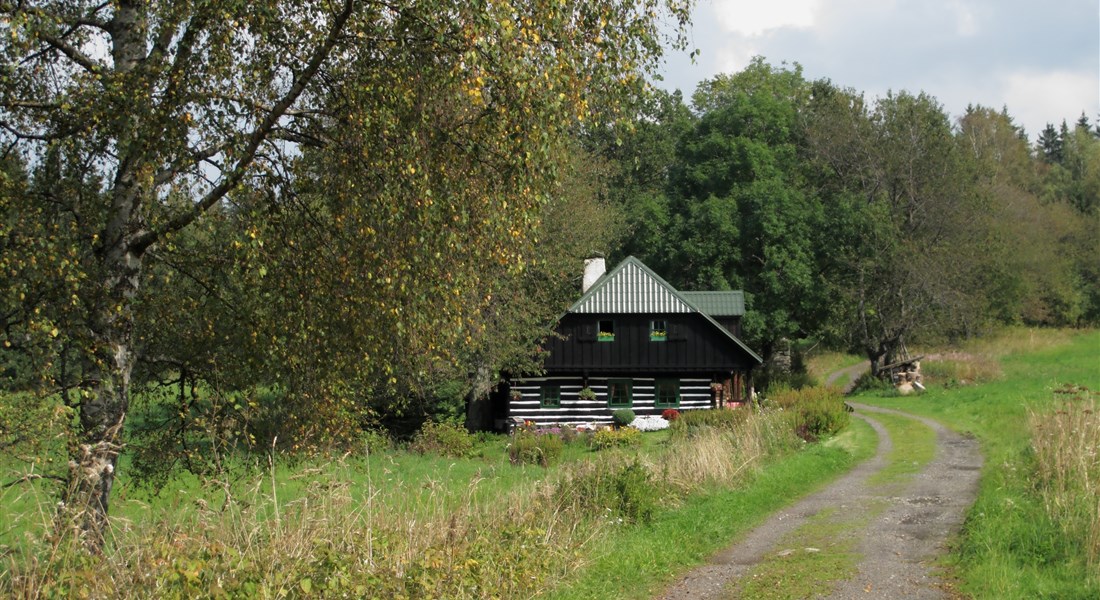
(694, 394)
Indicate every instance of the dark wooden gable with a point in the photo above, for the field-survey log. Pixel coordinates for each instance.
(693, 343)
(628, 300)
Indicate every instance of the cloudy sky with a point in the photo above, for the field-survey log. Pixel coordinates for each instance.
(1040, 58)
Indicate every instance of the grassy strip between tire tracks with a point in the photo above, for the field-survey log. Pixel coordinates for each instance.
(825, 550)
(639, 562)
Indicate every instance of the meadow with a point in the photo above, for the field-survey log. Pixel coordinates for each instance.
(452, 516)
(615, 519)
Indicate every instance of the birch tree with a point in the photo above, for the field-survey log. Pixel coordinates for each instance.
(160, 113)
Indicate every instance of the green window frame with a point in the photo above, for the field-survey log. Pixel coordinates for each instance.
(666, 393)
(606, 331)
(658, 330)
(550, 396)
(620, 393)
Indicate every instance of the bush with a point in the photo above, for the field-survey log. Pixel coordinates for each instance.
(690, 421)
(568, 434)
(817, 412)
(615, 438)
(444, 439)
(622, 416)
(868, 382)
(375, 441)
(638, 494)
(670, 414)
(530, 448)
(587, 394)
(628, 492)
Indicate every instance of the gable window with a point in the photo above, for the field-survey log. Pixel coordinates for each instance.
(606, 331)
(550, 396)
(666, 393)
(619, 393)
(658, 331)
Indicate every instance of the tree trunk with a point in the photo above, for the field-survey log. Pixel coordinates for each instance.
(479, 406)
(107, 398)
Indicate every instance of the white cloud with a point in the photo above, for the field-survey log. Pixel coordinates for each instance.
(966, 22)
(735, 55)
(1041, 60)
(756, 17)
(1037, 98)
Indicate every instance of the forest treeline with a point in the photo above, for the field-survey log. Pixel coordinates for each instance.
(864, 224)
(376, 211)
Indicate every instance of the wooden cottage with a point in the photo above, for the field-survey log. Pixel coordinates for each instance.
(638, 343)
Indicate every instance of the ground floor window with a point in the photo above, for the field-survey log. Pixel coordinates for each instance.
(619, 393)
(550, 396)
(667, 393)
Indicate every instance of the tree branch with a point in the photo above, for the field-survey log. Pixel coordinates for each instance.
(170, 172)
(74, 55)
(261, 133)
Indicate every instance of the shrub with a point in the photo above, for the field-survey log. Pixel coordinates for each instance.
(568, 434)
(444, 439)
(690, 421)
(868, 382)
(587, 394)
(530, 448)
(817, 412)
(670, 414)
(628, 492)
(614, 438)
(622, 416)
(375, 441)
(638, 494)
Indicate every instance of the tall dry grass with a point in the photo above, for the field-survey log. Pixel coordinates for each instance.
(1066, 441)
(389, 540)
(725, 456)
(978, 360)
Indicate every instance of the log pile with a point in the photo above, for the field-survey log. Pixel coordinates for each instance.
(905, 375)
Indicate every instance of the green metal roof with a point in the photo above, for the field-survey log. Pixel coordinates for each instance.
(632, 287)
(718, 304)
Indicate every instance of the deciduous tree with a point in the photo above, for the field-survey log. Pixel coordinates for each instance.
(163, 112)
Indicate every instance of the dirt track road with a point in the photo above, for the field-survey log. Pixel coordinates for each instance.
(905, 526)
